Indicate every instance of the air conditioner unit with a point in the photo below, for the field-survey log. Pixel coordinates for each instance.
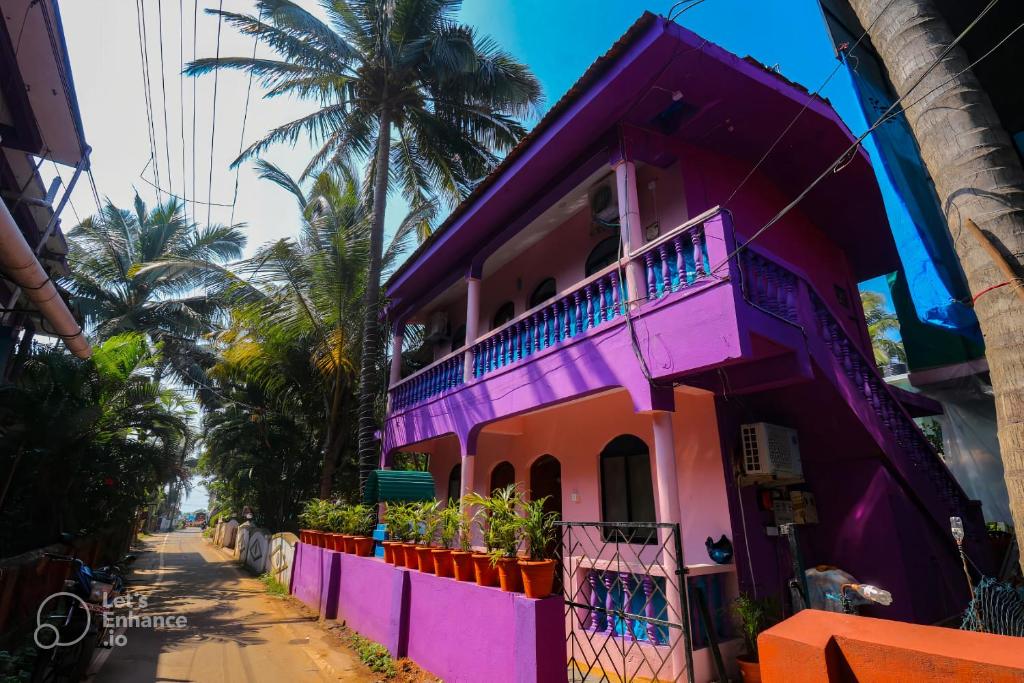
(437, 327)
(604, 201)
(771, 451)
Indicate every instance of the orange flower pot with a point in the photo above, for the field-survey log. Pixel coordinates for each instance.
(425, 559)
(346, 540)
(398, 553)
(362, 545)
(442, 561)
(318, 538)
(306, 536)
(750, 670)
(509, 576)
(484, 571)
(538, 577)
(337, 542)
(389, 552)
(462, 565)
(412, 560)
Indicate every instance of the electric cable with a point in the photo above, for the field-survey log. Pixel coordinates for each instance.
(163, 89)
(213, 123)
(140, 12)
(245, 117)
(181, 100)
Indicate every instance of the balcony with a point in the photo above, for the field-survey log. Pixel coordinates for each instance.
(683, 318)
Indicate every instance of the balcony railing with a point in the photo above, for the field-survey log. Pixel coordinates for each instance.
(675, 261)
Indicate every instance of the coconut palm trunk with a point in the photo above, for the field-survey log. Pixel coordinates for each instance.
(369, 358)
(978, 175)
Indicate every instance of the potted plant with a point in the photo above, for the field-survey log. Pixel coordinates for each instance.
(483, 570)
(315, 517)
(752, 616)
(448, 523)
(336, 524)
(462, 559)
(506, 530)
(428, 521)
(396, 517)
(363, 523)
(539, 531)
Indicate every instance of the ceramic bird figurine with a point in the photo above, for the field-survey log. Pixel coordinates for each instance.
(720, 551)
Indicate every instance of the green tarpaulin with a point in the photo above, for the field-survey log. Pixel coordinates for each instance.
(385, 486)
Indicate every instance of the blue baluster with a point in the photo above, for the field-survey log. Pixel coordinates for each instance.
(615, 310)
(666, 273)
(566, 313)
(698, 252)
(649, 274)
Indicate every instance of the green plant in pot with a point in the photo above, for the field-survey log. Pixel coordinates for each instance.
(752, 616)
(315, 517)
(396, 516)
(428, 521)
(504, 529)
(361, 522)
(448, 529)
(539, 532)
(479, 513)
(462, 556)
(336, 522)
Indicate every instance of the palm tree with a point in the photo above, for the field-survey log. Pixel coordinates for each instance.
(399, 83)
(145, 270)
(978, 175)
(295, 302)
(882, 324)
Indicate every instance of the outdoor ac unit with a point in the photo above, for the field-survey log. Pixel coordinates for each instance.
(771, 450)
(604, 201)
(437, 327)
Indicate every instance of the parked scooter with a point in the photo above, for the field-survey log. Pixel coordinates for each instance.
(69, 624)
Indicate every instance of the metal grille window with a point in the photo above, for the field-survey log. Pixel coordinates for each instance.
(627, 492)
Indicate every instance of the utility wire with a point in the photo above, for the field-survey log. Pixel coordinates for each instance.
(181, 100)
(163, 89)
(179, 197)
(195, 31)
(140, 16)
(245, 118)
(213, 124)
(847, 156)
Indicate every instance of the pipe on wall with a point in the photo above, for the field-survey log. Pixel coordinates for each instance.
(20, 265)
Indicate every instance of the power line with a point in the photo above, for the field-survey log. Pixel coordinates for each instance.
(195, 31)
(140, 17)
(181, 98)
(245, 118)
(163, 88)
(847, 155)
(213, 123)
(175, 196)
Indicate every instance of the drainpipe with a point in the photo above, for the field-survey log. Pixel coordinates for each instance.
(629, 226)
(472, 325)
(22, 267)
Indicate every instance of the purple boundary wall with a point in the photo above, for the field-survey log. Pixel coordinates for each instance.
(456, 630)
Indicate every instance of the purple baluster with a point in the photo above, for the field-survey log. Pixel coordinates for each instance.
(594, 615)
(609, 602)
(588, 307)
(514, 353)
(546, 331)
(677, 244)
(577, 312)
(652, 285)
(602, 307)
(648, 586)
(627, 596)
(666, 274)
(698, 253)
(537, 332)
(616, 308)
(566, 307)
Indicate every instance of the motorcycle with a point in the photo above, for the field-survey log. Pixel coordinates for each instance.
(69, 624)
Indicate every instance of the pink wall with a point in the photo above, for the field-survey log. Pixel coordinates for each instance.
(575, 434)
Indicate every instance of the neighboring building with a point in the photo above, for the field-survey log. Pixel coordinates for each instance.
(945, 351)
(598, 339)
(40, 125)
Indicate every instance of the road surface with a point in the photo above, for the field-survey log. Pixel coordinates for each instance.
(235, 631)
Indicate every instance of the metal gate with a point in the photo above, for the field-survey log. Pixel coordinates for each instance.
(625, 604)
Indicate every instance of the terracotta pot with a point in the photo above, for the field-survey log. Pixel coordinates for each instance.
(362, 545)
(318, 538)
(389, 552)
(750, 670)
(462, 565)
(305, 536)
(425, 559)
(346, 543)
(538, 577)
(484, 571)
(412, 560)
(509, 577)
(337, 542)
(442, 561)
(398, 553)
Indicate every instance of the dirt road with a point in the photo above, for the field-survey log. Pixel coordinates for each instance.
(235, 631)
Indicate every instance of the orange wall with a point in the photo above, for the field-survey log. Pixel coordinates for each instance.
(824, 646)
(576, 433)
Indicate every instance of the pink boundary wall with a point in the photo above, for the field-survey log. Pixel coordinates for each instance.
(456, 630)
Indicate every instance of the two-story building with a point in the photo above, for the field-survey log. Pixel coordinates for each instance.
(617, 308)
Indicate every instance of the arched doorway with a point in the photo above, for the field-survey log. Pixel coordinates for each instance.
(627, 492)
(502, 475)
(455, 483)
(546, 482)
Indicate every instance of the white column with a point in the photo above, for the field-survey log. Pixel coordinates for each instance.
(466, 482)
(472, 324)
(667, 486)
(629, 226)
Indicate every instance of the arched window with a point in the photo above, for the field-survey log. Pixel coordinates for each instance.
(505, 312)
(455, 483)
(542, 292)
(459, 337)
(603, 255)
(627, 494)
(502, 475)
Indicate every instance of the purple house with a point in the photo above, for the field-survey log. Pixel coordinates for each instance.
(624, 317)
